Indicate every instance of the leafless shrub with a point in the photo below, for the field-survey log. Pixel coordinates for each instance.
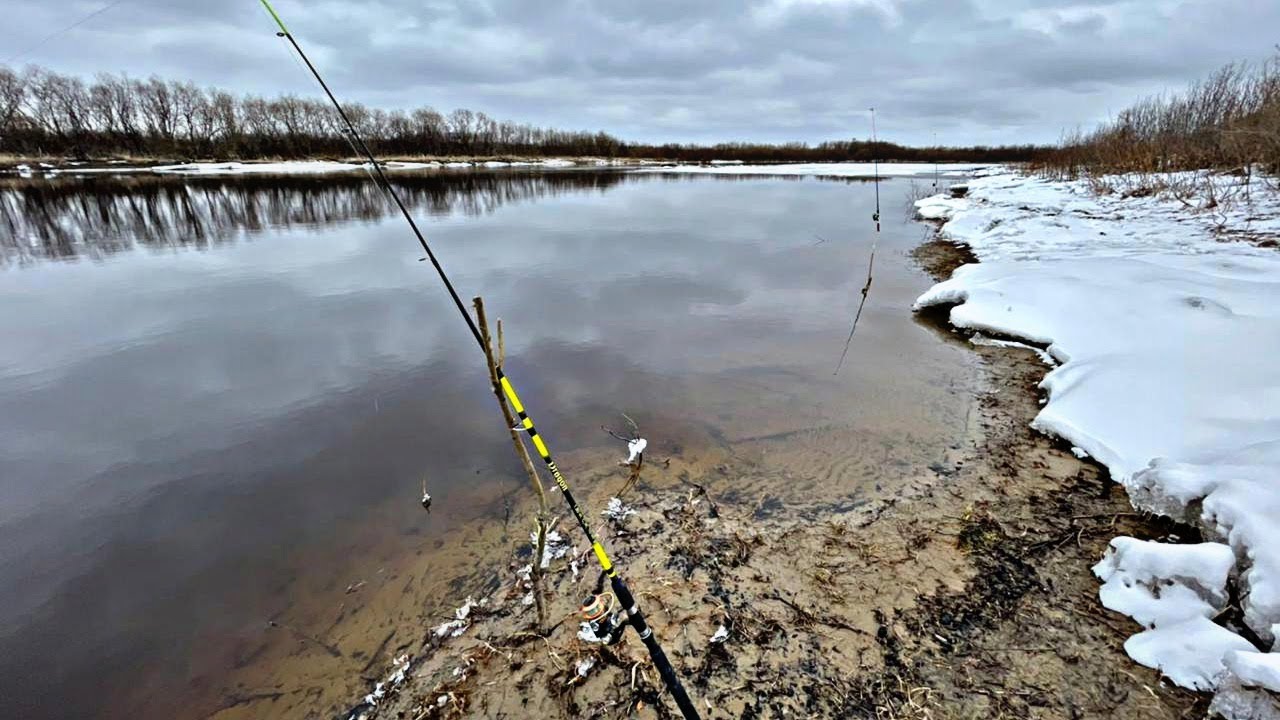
(917, 191)
(1227, 121)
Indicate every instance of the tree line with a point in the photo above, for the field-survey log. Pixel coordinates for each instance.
(44, 113)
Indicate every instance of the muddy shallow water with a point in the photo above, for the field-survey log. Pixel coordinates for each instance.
(219, 398)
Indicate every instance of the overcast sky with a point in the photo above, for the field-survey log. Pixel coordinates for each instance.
(972, 71)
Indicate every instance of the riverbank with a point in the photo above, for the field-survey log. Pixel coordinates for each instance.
(950, 594)
(1156, 302)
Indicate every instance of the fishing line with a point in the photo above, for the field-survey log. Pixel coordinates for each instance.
(66, 29)
(626, 601)
(875, 164)
(935, 161)
(866, 289)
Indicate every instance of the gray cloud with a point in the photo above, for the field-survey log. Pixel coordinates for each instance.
(973, 71)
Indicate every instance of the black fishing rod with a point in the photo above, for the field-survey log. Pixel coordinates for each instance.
(626, 601)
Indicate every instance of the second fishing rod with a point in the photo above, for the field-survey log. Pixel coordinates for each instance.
(626, 601)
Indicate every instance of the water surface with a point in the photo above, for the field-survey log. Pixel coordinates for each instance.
(218, 396)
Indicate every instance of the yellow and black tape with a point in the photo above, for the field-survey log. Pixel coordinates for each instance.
(527, 424)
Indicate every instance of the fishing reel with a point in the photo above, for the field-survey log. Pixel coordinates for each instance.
(875, 217)
(600, 613)
(606, 623)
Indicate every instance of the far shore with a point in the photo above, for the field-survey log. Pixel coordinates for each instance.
(32, 166)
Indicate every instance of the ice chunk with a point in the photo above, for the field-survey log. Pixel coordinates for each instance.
(1190, 653)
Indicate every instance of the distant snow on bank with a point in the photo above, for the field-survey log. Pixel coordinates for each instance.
(307, 167)
(239, 168)
(290, 167)
(1168, 337)
(822, 169)
(715, 167)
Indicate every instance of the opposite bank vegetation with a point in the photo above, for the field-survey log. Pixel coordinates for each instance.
(47, 114)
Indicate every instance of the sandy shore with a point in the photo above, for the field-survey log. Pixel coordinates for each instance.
(952, 594)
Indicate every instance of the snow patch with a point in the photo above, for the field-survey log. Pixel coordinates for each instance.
(1166, 339)
(1189, 653)
(617, 510)
(939, 207)
(820, 169)
(239, 168)
(1158, 584)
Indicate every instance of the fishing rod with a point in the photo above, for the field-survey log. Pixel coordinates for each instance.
(626, 601)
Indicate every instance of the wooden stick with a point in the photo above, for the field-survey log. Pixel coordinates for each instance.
(523, 453)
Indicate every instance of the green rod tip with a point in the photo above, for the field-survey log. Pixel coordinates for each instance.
(275, 16)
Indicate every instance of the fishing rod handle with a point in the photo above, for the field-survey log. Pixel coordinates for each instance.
(660, 660)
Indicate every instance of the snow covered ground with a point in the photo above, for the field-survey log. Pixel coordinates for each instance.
(821, 169)
(1165, 325)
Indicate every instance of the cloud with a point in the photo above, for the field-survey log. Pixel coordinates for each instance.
(973, 71)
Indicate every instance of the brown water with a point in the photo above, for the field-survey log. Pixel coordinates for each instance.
(218, 397)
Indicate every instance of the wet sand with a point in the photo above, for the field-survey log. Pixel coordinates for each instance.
(956, 589)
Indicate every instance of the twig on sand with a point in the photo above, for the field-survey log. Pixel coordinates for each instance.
(866, 289)
(807, 617)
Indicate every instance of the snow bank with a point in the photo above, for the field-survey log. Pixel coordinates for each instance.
(821, 169)
(1167, 340)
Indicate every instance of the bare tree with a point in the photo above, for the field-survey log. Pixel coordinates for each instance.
(13, 90)
(156, 108)
(45, 112)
